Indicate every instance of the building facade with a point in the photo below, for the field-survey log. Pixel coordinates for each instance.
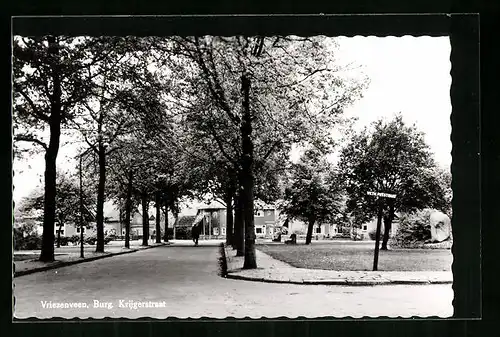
(320, 230)
(212, 219)
(371, 226)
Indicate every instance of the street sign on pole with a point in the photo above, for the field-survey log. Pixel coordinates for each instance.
(380, 194)
(379, 223)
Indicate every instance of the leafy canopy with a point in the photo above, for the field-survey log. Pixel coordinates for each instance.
(392, 158)
(312, 192)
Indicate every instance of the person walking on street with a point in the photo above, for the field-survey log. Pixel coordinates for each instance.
(195, 233)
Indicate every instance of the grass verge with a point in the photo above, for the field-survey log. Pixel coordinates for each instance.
(352, 257)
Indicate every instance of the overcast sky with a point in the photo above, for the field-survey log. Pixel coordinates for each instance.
(408, 74)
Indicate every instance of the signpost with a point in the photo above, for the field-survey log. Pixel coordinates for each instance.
(379, 195)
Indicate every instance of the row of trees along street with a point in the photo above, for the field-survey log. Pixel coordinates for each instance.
(168, 119)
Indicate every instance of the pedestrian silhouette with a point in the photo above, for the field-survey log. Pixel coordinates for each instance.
(195, 233)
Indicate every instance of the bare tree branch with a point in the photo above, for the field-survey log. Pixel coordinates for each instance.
(30, 138)
(34, 108)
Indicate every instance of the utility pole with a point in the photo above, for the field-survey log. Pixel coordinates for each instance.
(81, 208)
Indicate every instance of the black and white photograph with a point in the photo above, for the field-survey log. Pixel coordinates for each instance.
(242, 176)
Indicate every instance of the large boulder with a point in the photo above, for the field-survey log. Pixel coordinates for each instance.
(440, 226)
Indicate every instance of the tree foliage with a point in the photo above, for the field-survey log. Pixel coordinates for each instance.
(312, 193)
(171, 118)
(67, 201)
(50, 75)
(392, 158)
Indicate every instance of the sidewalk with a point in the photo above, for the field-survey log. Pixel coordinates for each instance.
(69, 255)
(274, 271)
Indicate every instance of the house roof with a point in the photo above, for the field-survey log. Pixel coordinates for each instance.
(218, 205)
(185, 221)
(212, 205)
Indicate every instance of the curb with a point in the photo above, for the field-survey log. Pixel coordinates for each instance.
(343, 282)
(69, 263)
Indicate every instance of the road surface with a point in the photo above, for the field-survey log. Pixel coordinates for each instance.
(182, 281)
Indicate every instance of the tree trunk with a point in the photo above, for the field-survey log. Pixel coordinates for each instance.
(100, 199)
(239, 229)
(229, 216)
(128, 209)
(145, 219)
(176, 217)
(166, 224)
(387, 225)
(49, 206)
(310, 226)
(247, 175)
(59, 235)
(158, 218)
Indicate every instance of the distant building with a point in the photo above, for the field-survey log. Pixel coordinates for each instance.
(320, 230)
(371, 226)
(212, 218)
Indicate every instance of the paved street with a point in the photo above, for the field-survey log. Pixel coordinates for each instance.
(182, 281)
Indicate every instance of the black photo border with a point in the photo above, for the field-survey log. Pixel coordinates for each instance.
(463, 30)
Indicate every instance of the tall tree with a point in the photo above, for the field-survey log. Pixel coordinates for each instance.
(312, 193)
(50, 75)
(394, 158)
(102, 118)
(264, 94)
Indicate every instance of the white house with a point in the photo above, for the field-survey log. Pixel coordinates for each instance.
(371, 225)
(322, 231)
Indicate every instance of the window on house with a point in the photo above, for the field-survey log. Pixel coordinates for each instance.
(62, 231)
(365, 227)
(223, 230)
(258, 230)
(318, 230)
(258, 213)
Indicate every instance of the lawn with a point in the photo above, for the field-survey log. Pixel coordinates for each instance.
(358, 256)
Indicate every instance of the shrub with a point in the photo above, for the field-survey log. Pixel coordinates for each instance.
(92, 239)
(413, 229)
(346, 232)
(183, 233)
(74, 239)
(30, 242)
(63, 240)
(26, 238)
